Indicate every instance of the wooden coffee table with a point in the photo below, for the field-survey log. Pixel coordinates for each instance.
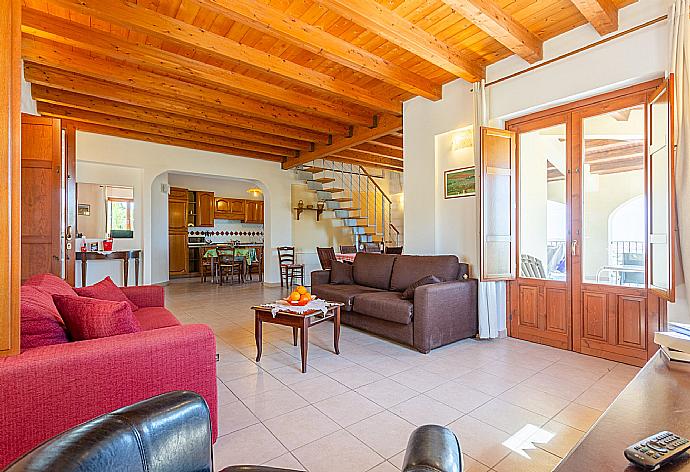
(297, 321)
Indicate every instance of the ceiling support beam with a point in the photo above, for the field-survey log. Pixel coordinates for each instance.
(95, 89)
(60, 57)
(602, 14)
(166, 28)
(65, 32)
(276, 23)
(490, 18)
(391, 141)
(155, 138)
(372, 148)
(365, 158)
(360, 134)
(74, 114)
(43, 94)
(379, 20)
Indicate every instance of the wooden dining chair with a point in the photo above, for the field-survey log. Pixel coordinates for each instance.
(257, 265)
(348, 249)
(393, 250)
(289, 270)
(326, 257)
(373, 248)
(206, 265)
(230, 264)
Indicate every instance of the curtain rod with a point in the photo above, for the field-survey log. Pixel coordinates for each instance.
(579, 50)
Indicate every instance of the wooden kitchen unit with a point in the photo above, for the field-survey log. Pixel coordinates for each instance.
(196, 208)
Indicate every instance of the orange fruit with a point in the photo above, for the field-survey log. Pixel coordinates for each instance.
(301, 290)
(295, 296)
(305, 298)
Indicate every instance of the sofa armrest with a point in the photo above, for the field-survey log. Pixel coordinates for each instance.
(49, 389)
(320, 277)
(444, 313)
(432, 448)
(145, 295)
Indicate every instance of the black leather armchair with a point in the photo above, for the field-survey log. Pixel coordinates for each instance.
(172, 433)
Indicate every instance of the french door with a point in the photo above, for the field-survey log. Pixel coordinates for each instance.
(594, 224)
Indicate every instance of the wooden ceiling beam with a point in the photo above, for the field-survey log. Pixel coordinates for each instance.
(274, 22)
(154, 138)
(94, 88)
(602, 14)
(75, 114)
(72, 34)
(392, 141)
(488, 16)
(43, 94)
(372, 148)
(139, 18)
(376, 18)
(360, 134)
(353, 157)
(61, 57)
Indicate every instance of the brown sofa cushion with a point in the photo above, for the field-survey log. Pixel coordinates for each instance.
(341, 273)
(409, 269)
(408, 294)
(374, 270)
(388, 306)
(341, 293)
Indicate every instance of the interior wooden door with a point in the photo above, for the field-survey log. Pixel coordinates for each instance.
(42, 186)
(540, 295)
(610, 299)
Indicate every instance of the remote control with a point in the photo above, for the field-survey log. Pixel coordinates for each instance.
(657, 450)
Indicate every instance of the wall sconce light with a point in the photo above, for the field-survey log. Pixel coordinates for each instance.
(462, 139)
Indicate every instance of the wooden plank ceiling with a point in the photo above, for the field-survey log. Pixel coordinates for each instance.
(288, 81)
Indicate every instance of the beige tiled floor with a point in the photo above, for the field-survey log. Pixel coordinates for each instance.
(513, 405)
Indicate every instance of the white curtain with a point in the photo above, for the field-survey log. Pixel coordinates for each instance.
(680, 66)
(492, 295)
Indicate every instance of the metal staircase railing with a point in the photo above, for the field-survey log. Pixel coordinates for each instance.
(356, 199)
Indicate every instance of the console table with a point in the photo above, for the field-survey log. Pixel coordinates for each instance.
(124, 256)
(655, 400)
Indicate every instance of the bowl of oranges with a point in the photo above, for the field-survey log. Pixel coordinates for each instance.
(299, 297)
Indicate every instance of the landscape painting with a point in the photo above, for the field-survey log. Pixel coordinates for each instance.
(460, 182)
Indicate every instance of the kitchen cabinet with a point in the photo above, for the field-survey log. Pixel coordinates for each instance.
(177, 231)
(229, 208)
(254, 211)
(178, 257)
(205, 209)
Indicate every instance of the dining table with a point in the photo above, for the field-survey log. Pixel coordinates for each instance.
(350, 258)
(247, 254)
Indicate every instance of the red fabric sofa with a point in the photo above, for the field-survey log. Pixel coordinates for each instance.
(49, 389)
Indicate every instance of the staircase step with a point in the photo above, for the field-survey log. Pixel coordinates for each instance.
(342, 199)
(313, 169)
(332, 190)
(346, 209)
(324, 180)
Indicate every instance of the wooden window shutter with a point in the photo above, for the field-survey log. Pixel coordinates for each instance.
(498, 205)
(660, 167)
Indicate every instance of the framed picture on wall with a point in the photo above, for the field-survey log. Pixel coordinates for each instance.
(83, 209)
(459, 182)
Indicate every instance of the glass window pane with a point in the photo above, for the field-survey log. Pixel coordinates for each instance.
(543, 203)
(613, 216)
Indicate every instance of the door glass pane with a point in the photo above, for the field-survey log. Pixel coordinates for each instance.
(659, 191)
(543, 203)
(613, 207)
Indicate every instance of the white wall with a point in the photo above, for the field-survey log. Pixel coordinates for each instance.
(432, 225)
(155, 161)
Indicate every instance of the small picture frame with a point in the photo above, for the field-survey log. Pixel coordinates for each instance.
(83, 209)
(459, 182)
(93, 247)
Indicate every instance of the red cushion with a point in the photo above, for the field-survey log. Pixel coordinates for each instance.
(51, 284)
(106, 290)
(90, 318)
(155, 317)
(41, 324)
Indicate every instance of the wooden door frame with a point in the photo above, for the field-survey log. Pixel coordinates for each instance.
(10, 187)
(70, 200)
(592, 106)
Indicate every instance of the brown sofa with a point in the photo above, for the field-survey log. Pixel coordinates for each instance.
(440, 313)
